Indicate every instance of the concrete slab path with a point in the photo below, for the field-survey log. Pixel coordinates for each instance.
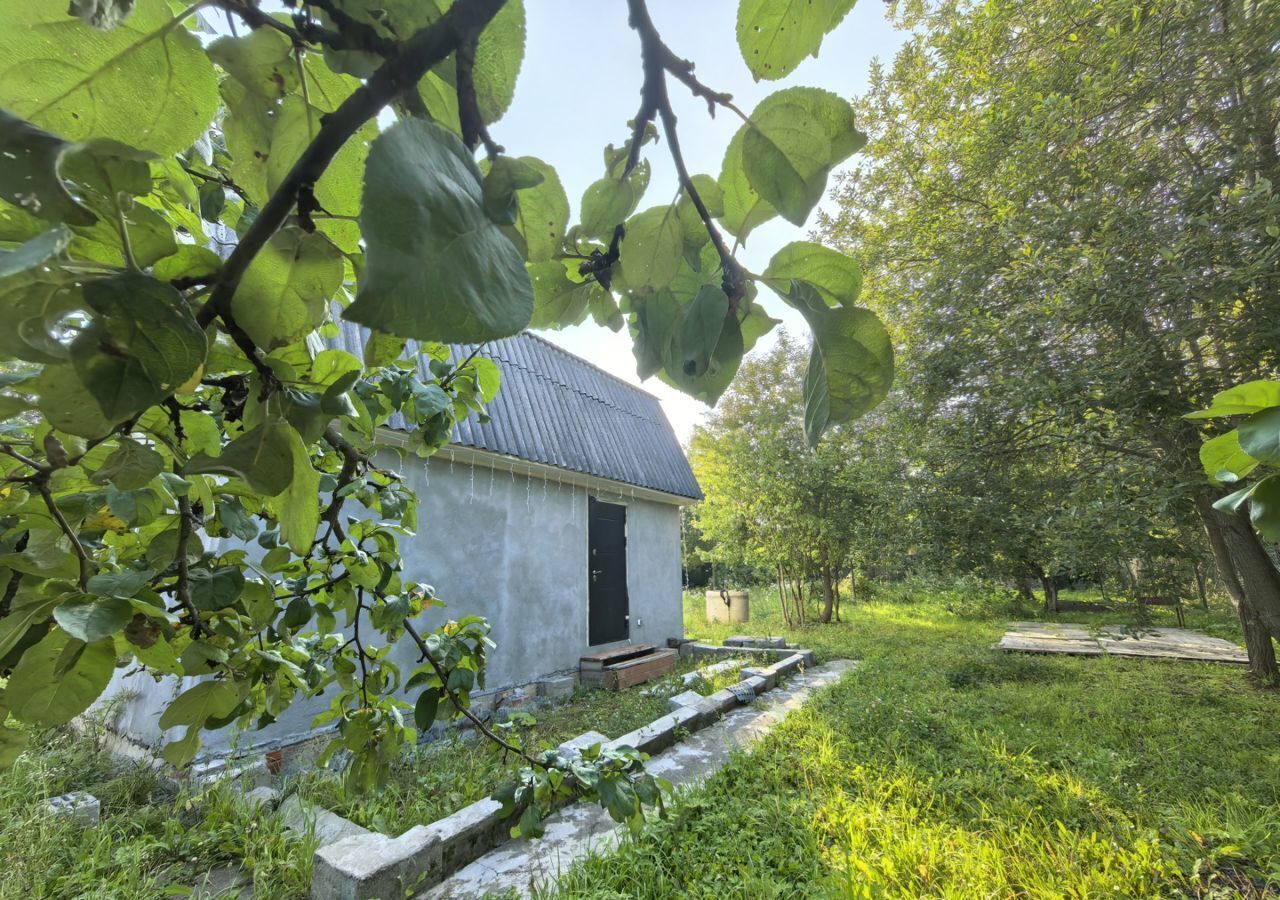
(581, 829)
(1119, 640)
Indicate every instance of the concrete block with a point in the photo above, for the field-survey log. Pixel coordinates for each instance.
(757, 683)
(655, 737)
(465, 836)
(746, 640)
(329, 826)
(788, 666)
(766, 675)
(375, 867)
(575, 746)
(263, 796)
(249, 773)
(724, 700)
(558, 687)
(78, 805)
(690, 719)
(682, 700)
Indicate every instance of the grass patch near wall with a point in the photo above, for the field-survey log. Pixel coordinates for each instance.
(152, 841)
(439, 778)
(943, 768)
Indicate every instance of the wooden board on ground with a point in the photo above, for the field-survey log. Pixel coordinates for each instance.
(1119, 640)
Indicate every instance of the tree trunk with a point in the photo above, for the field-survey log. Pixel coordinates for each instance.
(1240, 559)
(782, 598)
(1200, 589)
(838, 576)
(1024, 589)
(828, 593)
(1050, 590)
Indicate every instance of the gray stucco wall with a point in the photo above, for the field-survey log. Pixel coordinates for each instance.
(504, 546)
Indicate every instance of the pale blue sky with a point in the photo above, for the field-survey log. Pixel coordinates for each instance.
(581, 84)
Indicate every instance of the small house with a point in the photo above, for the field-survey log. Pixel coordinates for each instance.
(558, 520)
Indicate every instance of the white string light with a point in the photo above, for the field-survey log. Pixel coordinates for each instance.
(528, 491)
(491, 471)
(471, 496)
(426, 470)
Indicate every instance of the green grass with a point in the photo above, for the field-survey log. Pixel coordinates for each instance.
(440, 778)
(152, 841)
(943, 768)
(938, 768)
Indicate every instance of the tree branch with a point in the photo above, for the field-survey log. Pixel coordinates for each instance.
(183, 586)
(400, 72)
(86, 564)
(474, 131)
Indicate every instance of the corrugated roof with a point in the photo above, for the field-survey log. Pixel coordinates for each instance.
(558, 409)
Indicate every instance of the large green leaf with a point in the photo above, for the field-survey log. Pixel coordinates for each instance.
(130, 466)
(30, 178)
(195, 706)
(1224, 460)
(776, 35)
(147, 82)
(559, 299)
(836, 277)
(437, 268)
(67, 405)
(607, 203)
(851, 363)
(652, 248)
(59, 678)
(286, 290)
(744, 208)
(502, 178)
(542, 213)
(795, 138)
(142, 345)
(25, 612)
(298, 506)
(499, 53)
(93, 618)
(1241, 400)
(34, 252)
(1260, 435)
(262, 456)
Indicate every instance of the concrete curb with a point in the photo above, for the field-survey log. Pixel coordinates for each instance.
(371, 865)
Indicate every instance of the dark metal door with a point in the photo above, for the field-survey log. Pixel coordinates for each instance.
(607, 618)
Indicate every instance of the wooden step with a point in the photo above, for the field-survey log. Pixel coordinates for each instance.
(597, 661)
(632, 671)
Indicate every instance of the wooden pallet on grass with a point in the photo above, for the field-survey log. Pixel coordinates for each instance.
(626, 666)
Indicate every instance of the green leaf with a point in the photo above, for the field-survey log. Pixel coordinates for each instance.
(24, 614)
(499, 53)
(1223, 454)
(263, 457)
(80, 83)
(503, 177)
(608, 202)
(286, 290)
(776, 35)
(543, 213)
(559, 300)
(59, 678)
(744, 208)
(12, 743)
(189, 261)
(207, 700)
(424, 710)
(712, 196)
(130, 466)
(1241, 400)
(213, 590)
(1260, 435)
(67, 405)
(142, 345)
(694, 342)
(437, 269)
(33, 252)
(92, 619)
(656, 317)
(261, 61)
(119, 584)
(298, 506)
(795, 138)
(851, 363)
(1264, 506)
(30, 178)
(710, 383)
(836, 277)
(180, 752)
(652, 248)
